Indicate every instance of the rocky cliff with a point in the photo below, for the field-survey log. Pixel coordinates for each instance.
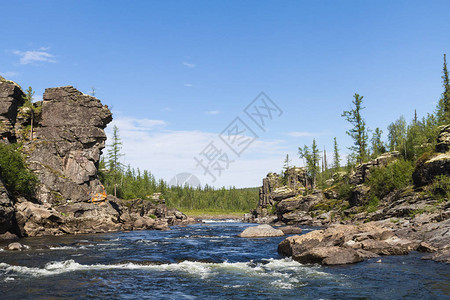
(62, 144)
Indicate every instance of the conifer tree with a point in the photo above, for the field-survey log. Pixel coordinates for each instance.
(443, 109)
(336, 157)
(287, 162)
(30, 109)
(312, 161)
(359, 132)
(377, 144)
(115, 167)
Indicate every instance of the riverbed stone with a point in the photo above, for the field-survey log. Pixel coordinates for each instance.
(264, 230)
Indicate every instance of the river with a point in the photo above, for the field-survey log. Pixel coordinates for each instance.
(203, 261)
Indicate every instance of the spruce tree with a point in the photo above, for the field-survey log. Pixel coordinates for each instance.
(336, 157)
(377, 144)
(30, 109)
(312, 161)
(359, 132)
(114, 165)
(443, 109)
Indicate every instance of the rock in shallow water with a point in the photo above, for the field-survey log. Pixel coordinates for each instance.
(261, 231)
(15, 246)
(290, 229)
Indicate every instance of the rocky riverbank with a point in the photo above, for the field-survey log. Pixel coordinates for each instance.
(62, 142)
(406, 219)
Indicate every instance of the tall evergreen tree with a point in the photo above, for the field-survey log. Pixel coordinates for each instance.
(30, 109)
(377, 144)
(287, 162)
(336, 157)
(359, 132)
(443, 108)
(312, 161)
(114, 154)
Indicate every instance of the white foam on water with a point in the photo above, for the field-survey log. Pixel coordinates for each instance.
(65, 248)
(221, 221)
(283, 273)
(8, 279)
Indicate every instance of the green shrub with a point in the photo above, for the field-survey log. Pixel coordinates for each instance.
(395, 176)
(440, 187)
(345, 191)
(18, 179)
(374, 202)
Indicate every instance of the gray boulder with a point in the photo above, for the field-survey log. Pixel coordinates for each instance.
(261, 231)
(290, 229)
(15, 246)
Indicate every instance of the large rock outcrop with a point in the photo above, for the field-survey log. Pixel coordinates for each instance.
(63, 150)
(437, 163)
(67, 146)
(11, 97)
(363, 170)
(345, 244)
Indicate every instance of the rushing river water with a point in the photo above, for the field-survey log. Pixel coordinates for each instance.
(203, 261)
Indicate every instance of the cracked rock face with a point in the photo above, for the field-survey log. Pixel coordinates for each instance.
(67, 145)
(438, 163)
(11, 97)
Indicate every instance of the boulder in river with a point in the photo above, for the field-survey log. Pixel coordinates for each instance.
(290, 229)
(261, 231)
(15, 246)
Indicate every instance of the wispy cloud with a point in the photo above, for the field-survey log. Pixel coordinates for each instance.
(189, 65)
(28, 57)
(188, 84)
(135, 125)
(303, 133)
(212, 112)
(9, 74)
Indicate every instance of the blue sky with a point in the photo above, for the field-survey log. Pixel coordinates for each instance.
(176, 73)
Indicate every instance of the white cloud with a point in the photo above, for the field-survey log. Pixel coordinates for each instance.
(149, 146)
(9, 74)
(187, 84)
(212, 112)
(134, 125)
(303, 133)
(189, 65)
(28, 57)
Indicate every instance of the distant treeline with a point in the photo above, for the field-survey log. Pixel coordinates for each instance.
(132, 184)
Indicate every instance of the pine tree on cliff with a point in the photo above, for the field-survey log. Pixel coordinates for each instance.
(114, 165)
(359, 132)
(312, 161)
(315, 160)
(377, 144)
(336, 157)
(30, 109)
(443, 109)
(287, 162)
